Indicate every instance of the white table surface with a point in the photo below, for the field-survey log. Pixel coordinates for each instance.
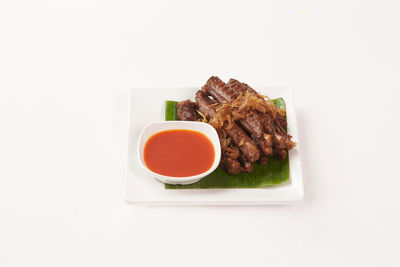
(66, 68)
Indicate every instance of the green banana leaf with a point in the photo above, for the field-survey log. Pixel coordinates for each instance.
(273, 173)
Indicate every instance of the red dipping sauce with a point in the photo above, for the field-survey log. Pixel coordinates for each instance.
(179, 153)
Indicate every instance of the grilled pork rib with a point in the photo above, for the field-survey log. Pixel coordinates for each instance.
(252, 122)
(187, 112)
(250, 128)
(239, 137)
(273, 126)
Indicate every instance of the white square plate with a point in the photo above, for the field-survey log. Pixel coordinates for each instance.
(147, 105)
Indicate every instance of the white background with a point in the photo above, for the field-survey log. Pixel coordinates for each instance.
(66, 68)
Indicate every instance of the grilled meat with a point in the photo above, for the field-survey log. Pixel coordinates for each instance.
(252, 122)
(250, 127)
(274, 126)
(239, 137)
(187, 111)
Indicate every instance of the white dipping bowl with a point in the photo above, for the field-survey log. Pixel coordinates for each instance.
(200, 127)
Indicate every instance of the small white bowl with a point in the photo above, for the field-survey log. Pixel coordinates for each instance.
(201, 127)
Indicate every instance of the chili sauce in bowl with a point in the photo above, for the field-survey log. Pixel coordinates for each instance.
(179, 152)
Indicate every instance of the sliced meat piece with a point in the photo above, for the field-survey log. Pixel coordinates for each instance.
(268, 146)
(239, 137)
(219, 90)
(187, 111)
(229, 154)
(237, 86)
(252, 122)
(231, 165)
(227, 147)
(240, 87)
(273, 126)
(247, 165)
